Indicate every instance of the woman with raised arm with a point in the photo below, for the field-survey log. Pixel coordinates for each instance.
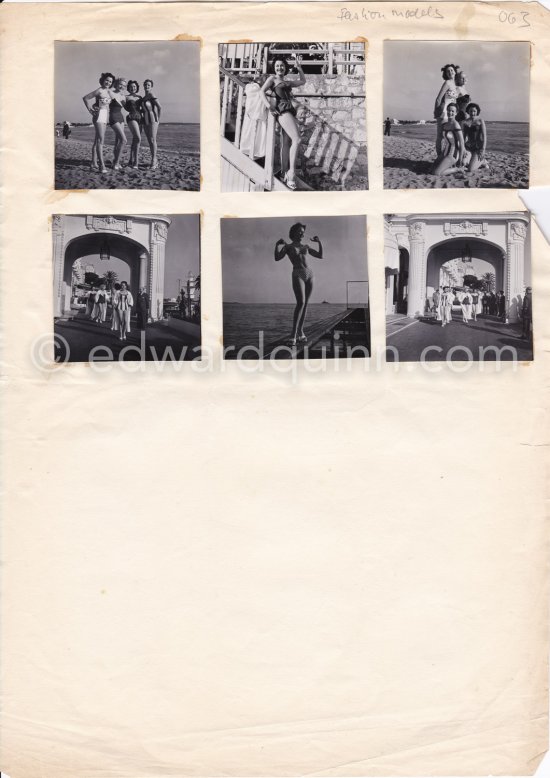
(151, 108)
(302, 275)
(99, 111)
(449, 93)
(283, 108)
(451, 157)
(133, 106)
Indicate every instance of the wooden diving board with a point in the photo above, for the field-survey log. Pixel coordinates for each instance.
(352, 317)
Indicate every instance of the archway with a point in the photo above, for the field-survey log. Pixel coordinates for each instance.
(123, 248)
(447, 256)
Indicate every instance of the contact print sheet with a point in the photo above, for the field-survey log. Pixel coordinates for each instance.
(275, 342)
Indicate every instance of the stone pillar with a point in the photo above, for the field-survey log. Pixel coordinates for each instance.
(58, 233)
(417, 261)
(514, 267)
(159, 233)
(391, 260)
(143, 269)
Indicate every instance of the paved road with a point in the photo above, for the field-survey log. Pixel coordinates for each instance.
(486, 339)
(83, 335)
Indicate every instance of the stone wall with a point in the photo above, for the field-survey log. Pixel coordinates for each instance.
(331, 113)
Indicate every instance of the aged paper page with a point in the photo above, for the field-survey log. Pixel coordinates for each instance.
(212, 568)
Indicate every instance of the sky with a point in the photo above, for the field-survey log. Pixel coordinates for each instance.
(181, 255)
(497, 73)
(173, 66)
(251, 275)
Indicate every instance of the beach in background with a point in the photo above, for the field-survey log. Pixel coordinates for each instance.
(178, 156)
(409, 154)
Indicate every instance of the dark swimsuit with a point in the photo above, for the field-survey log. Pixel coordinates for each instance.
(473, 137)
(283, 99)
(115, 113)
(133, 106)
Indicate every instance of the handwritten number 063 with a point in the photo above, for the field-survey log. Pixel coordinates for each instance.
(511, 18)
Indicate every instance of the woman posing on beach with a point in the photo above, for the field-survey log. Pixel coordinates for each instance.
(475, 137)
(100, 112)
(302, 275)
(285, 112)
(116, 119)
(133, 106)
(151, 108)
(452, 145)
(453, 87)
(124, 302)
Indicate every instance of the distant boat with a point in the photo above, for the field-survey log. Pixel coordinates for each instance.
(325, 302)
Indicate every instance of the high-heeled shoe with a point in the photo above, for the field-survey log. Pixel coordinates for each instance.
(290, 182)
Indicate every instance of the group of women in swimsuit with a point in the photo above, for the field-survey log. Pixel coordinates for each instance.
(143, 113)
(461, 133)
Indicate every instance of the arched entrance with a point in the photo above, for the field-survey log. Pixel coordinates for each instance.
(445, 265)
(138, 241)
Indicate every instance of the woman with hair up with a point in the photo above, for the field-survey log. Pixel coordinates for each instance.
(151, 108)
(451, 157)
(302, 275)
(452, 88)
(100, 114)
(133, 106)
(285, 112)
(116, 119)
(475, 137)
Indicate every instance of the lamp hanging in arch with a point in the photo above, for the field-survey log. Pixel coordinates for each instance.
(104, 251)
(466, 253)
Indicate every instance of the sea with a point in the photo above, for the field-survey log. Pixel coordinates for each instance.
(170, 137)
(243, 322)
(506, 137)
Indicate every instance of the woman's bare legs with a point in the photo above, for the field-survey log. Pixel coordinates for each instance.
(299, 288)
(285, 148)
(151, 133)
(98, 143)
(308, 291)
(445, 165)
(136, 142)
(290, 127)
(439, 138)
(120, 142)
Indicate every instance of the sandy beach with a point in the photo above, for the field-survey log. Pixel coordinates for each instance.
(408, 162)
(177, 169)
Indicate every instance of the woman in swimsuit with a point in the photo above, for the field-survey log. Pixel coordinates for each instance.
(150, 108)
(286, 114)
(116, 119)
(133, 106)
(100, 113)
(302, 275)
(453, 87)
(475, 137)
(452, 145)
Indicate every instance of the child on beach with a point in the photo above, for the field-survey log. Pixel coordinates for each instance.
(302, 274)
(475, 137)
(451, 157)
(100, 112)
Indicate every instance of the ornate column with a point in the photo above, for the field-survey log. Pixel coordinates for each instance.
(58, 233)
(391, 261)
(143, 269)
(514, 267)
(159, 233)
(417, 261)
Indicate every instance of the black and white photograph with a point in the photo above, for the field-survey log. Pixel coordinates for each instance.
(127, 115)
(293, 117)
(295, 287)
(458, 286)
(456, 114)
(126, 288)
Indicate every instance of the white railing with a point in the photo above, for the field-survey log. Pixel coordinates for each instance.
(327, 58)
